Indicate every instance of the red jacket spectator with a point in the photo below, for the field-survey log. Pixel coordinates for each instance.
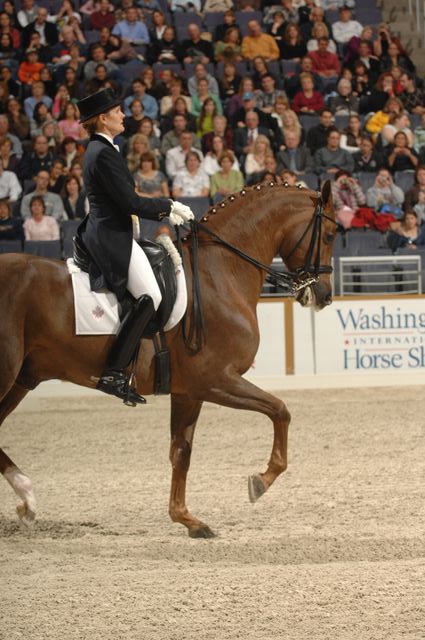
(307, 100)
(325, 63)
(103, 17)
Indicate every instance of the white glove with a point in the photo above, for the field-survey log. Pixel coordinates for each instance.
(180, 213)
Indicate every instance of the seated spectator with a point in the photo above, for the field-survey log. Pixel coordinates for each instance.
(60, 100)
(155, 89)
(317, 135)
(120, 51)
(368, 59)
(70, 36)
(286, 7)
(51, 131)
(347, 197)
(332, 158)
(10, 227)
(10, 188)
(74, 199)
(72, 84)
(138, 90)
(315, 15)
(320, 30)
(294, 156)
(277, 27)
(5, 133)
(257, 43)
(260, 69)
(172, 138)
(367, 159)
(158, 26)
(192, 181)
(103, 16)
(40, 226)
(27, 13)
(269, 173)
(400, 156)
(385, 196)
(266, 97)
(292, 83)
(41, 158)
(352, 136)
(416, 194)
(344, 103)
(200, 73)
(150, 182)
(333, 5)
(186, 5)
(292, 46)
(291, 124)
(65, 14)
(41, 115)
(204, 123)
(227, 180)
(77, 171)
(9, 160)
(38, 95)
(175, 159)
(412, 97)
(13, 88)
(307, 100)
(398, 122)
(280, 107)
(210, 163)
(245, 136)
(325, 63)
(137, 145)
(148, 7)
(53, 202)
(394, 58)
(70, 151)
(229, 49)
(291, 179)
(180, 108)
(149, 130)
(406, 233)
(229, 83)
(202, 95)
(132, 122)
(131, 28)
(167, 50)
(220, 129)
(255, 159)
(195, 48)
(217, 6)
(175, 92)
(6, 28)
(235, 103)
(29, 70)
(248, 104)
(379, 119)
(57, 177)
(98, 57)
(69, 124)
(345, 28)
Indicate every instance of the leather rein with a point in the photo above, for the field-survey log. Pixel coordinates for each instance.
(294, 281)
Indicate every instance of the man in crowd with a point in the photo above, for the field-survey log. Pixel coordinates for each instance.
(295, 156)
(10, 188)
(246, 136)
(257, 43)
(201, 74)
(150, 105)
(172, 138)
(412, 97)
(53, 202)
(175, 159)
(346, 28)
(131, 28)
(317, 135)
(47, 30)
(40, 158)
(38, 95)
(332, 158)
(196, 49)
(265, 97)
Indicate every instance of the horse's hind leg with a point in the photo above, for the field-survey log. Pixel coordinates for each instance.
(19, 482)
(184, 415)
(232, 390)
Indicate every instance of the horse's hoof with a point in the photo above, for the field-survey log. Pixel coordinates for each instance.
(256, 488)
(26, 516)
(202, 532)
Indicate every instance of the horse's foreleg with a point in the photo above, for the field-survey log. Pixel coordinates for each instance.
(232, 390)
(19, 482)
(184, 415)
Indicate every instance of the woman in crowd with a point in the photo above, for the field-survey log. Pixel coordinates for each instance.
(307, 100)
(292, 46)
(260, 69)
(40, 226)
(167, 50)
(158, 26)
(229, 83)
(352, 136)
(344, 103)
(320, 30)
(76, 170)
(150, 130)
(384, 195)
(291, 124)
(60, 100)
(204, 122)
(347, 197)
(8, 54)
(394, 57)
(29, 70)
(132, 123)
(255, 161)
(400, 155)
(57, 177)
(180, 108)
(74, 199)
(41, 115)
(120, 50)
(191, 182)
(168, 102)
(69, 124)
(210, 163)
(10, 226)
(380, 93)
(229, 49)
(201, 96)
(379, 119)
(71, 151)
(138, 144)
(235, 103)
(406, 233)
(397, 122)
(9, 160)
(150, 182)
(278, 26)
(226, 180)
(416, 194)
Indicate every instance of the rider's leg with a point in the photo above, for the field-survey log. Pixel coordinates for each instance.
(143, 286)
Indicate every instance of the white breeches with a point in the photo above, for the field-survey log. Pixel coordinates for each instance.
(141, 280)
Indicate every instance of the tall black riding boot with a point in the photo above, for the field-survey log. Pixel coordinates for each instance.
(114, 380)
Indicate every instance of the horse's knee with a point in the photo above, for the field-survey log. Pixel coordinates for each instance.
(282, 415)
(180, 456)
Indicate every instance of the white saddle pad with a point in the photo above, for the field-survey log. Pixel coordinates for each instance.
(96, 313)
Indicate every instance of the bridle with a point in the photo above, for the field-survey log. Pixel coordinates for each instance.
(293, 281)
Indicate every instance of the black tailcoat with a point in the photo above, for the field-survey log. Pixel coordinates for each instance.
(107, 231)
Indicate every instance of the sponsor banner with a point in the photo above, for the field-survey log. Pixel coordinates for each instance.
(361, 336)
(271, 355)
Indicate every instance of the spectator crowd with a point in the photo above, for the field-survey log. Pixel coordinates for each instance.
(216, 96)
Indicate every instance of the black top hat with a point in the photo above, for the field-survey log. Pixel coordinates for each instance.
(97, 103)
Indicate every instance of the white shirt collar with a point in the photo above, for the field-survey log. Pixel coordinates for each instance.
(109, 139)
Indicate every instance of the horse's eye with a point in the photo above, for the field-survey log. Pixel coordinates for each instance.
(328, 237)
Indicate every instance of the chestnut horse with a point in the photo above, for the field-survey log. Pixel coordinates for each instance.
(38, 341)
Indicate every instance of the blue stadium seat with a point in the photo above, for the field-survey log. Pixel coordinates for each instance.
(199, 206)
(308, 121)
(158, 67)
(404, 179)
(131, 70)
(189, 68)
(289, 67)
(68, 229)
(10, 246)
(183, 19)
(311, 180)
(366, 180)
(92, 36)
(44, 248)
(213, 19)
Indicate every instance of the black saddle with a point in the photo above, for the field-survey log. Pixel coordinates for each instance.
(163, 269)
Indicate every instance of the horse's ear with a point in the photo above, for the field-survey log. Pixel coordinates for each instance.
(326, 192)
